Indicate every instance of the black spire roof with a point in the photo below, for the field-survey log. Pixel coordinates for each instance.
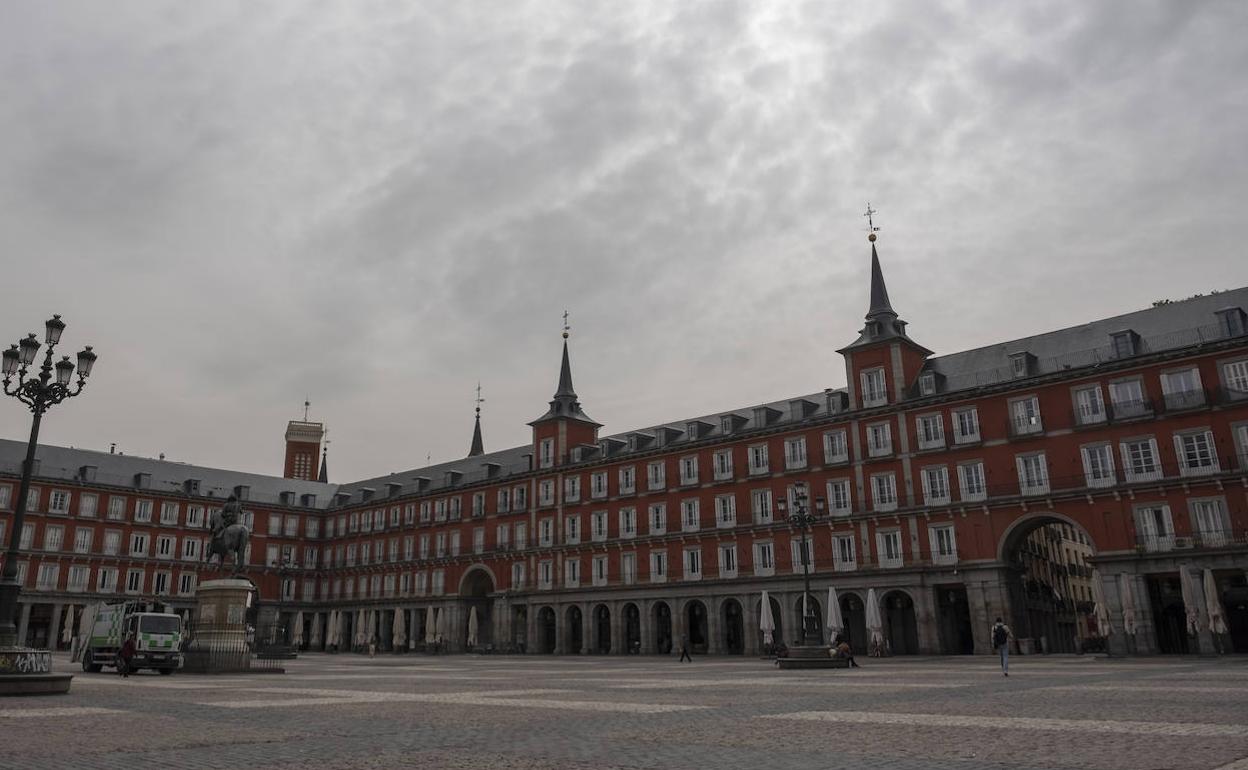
(477, 447)
(882, 321)
(565, 403)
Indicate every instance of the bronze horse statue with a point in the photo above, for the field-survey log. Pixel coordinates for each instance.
(229, 535)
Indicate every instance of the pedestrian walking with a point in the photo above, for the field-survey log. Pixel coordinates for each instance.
(842, 649)
(125, 655)
(684, 649)
(1001, 636)
(372, 646)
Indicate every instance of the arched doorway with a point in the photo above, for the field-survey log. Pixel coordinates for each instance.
(695, 625)
(662, 628)
(546, 630)
(632, 629)
(733, 624)
(474, 596)
(900, 630)
(800, 613)
(574, 636)
(1165, 595)
(1048, 578)
(602, 629)
(953, 620)
(854, 614)
(777, 618)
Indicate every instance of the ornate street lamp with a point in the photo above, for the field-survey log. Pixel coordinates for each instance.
(39, 393)
(802, 517)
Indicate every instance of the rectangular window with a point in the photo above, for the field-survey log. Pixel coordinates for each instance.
(478, 542)
(931, 431)
(160, 583)
(690, 515)
(971, 482)
(966, 425)
(426, 514)
(439, 582)
(758, 459)
(656, 476)
(186, 583)
(658, 566)
(723, 464)
(628, 522)
(572, 489)
(838, 497)
(1033, 474)
(572, 573)
(134, 581)
(1098, 465)
(53, 537)
(1235, 377)
(1126, 398)
(874, 392)
(112, 542)
(888, 543)
(454, 544)
(116, 508)
(795, 453)
(599, 576)
(835, 447)
(936, 486)
(546, 492)
(106, 580)
(1140, 460)
(519, 498)
(82, 539)
(143, 510)
(478, 505)
(884, 492)
(843, 556)
(728, 560)
(598, 484)
(1089, 406)
(658, 519)
(138, 544)
(628, 480)
(58, 502)
(28, 536)
(166, 547)
(1153, 527)
(86, 505)
(79, 578)
(1196, 453)
(546, 452)
(689, 470)
(628, 568)
(944, 544)
(598, 524)
(1182, 389)
(879, 439)
(1209, 522)
(6, 492)
(49, 577)
(760, 506)
(1025, 416)
(504, 500)
(693, 563)
(168, 513)
(801, 555)
(572, 530)
(726, 510)
(517, 575)
(522, 535)
(546, 532)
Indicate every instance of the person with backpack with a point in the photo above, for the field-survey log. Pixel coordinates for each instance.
(1001, 636)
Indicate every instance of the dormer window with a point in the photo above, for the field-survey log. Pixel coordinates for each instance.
(1124, 343)
(874, 391)
(725, 425)
(1021, 364)
(546, 452)
(927, 383)
(1231, 321)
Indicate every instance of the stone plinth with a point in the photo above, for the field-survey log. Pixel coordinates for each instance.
(219, 642)
(26, 671)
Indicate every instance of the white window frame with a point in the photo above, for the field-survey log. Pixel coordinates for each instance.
(936, 489)
(840, 497)
(656, 518)
(835, 446)
(964, 420)
(944, 543)
(598, 526)
(879, 439)
(689, 470)
(658, 566)
(930, 430)
(727, 560)
(1197, 453)
(890, 558)
(1098, 465)
(764, 558)
(1025, 416)
(726, 511)
(691, 557)
(795, 453)
(874, 387)
(760, 463)
(722, 462)
(690, 515)
(762, 506)
(656, 475)
(1033, 473)
(884, 492)
(1089, 404)
(844, 553)
(1128, 465)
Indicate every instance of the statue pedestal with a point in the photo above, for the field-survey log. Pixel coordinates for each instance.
(219, 643)
(26, 671)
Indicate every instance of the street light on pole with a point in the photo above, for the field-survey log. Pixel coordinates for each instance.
(802, 517)
(39, 393)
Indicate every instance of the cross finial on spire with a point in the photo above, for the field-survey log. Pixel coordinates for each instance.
(479, 400)
(871, 228)
(566, 328)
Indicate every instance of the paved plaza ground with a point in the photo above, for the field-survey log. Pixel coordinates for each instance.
(526, 713)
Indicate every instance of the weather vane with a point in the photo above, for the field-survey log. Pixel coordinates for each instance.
(871, 228)
(480, 400)
(306, 404)
(566, 328)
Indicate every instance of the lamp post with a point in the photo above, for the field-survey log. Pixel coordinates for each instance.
(285, 567)
(39, 393)
(802, 517)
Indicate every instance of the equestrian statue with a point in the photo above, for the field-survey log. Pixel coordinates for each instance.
(229, 534)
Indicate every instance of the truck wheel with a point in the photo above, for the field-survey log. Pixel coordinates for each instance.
(89, 664)
(166, 671)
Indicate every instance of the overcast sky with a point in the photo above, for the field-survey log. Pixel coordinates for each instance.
(376, 205)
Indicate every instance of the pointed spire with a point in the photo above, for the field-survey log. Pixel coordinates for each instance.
(565, 373)
(324, 477)
(879, 292)
(565, 402)
(477, 447)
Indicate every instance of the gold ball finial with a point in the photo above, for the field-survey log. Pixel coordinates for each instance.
(565, 335)
(871, 237)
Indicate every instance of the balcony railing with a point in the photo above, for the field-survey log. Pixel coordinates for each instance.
(1208, 539)
(1185, 399)
(1025, 426)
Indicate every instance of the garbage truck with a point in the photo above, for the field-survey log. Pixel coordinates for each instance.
(157, 637)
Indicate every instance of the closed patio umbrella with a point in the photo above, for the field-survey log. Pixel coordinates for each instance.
(296, 636)
(398, 630)
(766, 622)
(836, 624)
(875, 624)
(1103, 628)
(67, 626)
(1217, 615)
(431, 627)
(442, 625)
(472, 627)
(315, 641)
(1128, 604)
(359, 628)
(1190, 607)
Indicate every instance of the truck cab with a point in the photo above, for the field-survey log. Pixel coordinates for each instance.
(157, 638)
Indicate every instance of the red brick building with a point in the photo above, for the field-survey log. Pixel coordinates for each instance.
(1015, 480)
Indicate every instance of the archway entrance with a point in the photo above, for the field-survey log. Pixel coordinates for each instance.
(520, 628)
(574, 636)
(1049, 584)
(777, 617)
(953, 620)
(816, 611)
(900, 630)
(632, 629)
(854, 613)
(662, 628)
(474, 593)
(1165, 595)
(695, 625)
(1235, 601)
(546, 630)
(734, 627)
(602, 630)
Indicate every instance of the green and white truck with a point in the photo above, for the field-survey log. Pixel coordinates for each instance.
(158, 637)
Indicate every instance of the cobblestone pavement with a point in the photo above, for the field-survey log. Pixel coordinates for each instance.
(347, 712)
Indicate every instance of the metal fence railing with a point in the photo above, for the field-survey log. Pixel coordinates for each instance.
(220, 648)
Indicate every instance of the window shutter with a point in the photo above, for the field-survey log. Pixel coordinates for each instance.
(1022, 473)
(1213, 450)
